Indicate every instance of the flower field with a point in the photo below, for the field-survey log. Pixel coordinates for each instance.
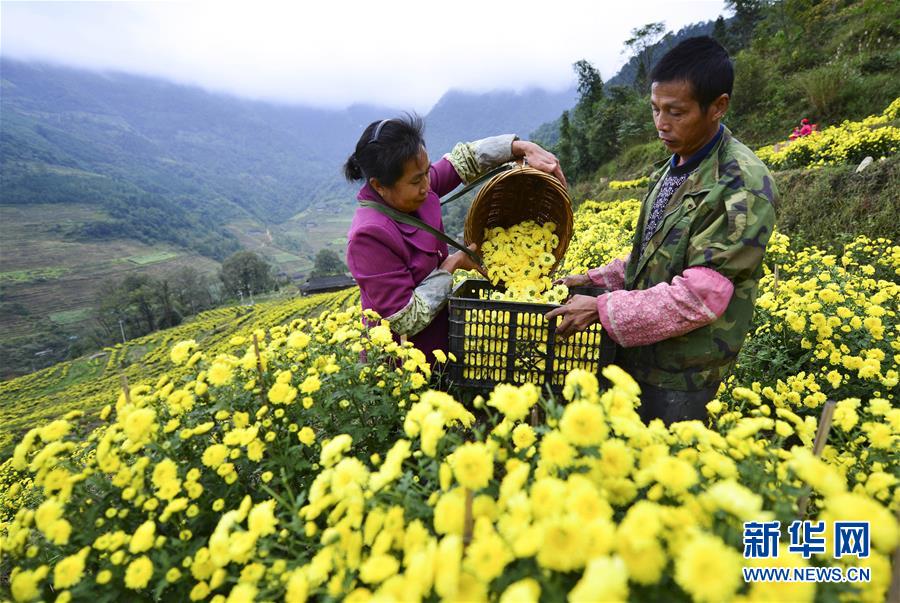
(87, 384)
(602, 231)
(618, 185)
(850, 142)
(289, 470)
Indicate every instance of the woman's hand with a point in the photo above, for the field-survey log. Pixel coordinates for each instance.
(539, 159)
(574, 280)
(462, 261)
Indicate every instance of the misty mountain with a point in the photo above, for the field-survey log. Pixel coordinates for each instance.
(175, 163)
(469, 116)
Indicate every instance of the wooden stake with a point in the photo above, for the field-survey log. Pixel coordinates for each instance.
(824, 427)
(469, 521)
(775, 285)
(262, 383)
(818, 446)
(125, 388)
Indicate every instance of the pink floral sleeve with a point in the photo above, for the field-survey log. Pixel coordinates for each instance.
(611, 276)
(695, 299)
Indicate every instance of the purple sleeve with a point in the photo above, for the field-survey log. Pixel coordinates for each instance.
(695, 299)
(383, 276)
(443, 177)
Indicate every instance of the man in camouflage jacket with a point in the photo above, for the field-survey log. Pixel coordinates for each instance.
(681, 304)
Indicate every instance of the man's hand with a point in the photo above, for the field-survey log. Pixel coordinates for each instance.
(578, 314)
(574, 280)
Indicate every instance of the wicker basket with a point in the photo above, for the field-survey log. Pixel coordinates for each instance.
(518, 195)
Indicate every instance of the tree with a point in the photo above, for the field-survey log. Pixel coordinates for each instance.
(641, 43)
(590, 84)
(246, 273)
(582, 119)
(641, 77)
(564, 147)
(137, 304)
(747, 13)
(631, 117)
(169, 316)
(191, 289)
(328, 262)
(720, 32)
(112, 311)
(139, 292)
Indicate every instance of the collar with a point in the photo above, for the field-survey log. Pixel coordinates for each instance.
(368, 193)
(699, 156)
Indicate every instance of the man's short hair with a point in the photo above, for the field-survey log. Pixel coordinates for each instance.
(702, 62)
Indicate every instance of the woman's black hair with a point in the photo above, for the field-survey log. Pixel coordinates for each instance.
(384, 147)
(702, 62)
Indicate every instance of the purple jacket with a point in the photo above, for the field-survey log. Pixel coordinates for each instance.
(388, 259)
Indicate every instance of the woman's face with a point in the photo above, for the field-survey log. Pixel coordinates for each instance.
(408, 193)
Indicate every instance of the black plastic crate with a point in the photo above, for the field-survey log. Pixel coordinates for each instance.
(511, 342)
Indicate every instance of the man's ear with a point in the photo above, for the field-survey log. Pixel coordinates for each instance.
(720, 106)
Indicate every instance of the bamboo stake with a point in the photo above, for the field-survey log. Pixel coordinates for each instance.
(775, 284)
(818, 446)
(125, 388)
(824, 427)
(262, 383)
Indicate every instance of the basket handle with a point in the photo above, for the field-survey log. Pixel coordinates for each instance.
(403, 218)
(487, 175)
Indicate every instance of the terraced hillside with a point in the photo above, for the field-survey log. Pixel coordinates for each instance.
(86, 384)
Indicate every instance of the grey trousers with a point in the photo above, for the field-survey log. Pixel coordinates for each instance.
(672, 405)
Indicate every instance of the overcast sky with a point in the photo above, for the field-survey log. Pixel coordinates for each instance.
(335, 53)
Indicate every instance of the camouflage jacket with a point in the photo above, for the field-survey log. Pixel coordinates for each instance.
(721, 218)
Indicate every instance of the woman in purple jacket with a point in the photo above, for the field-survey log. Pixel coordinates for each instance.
(404, 274)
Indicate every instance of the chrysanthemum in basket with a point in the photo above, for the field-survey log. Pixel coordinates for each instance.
(522, 258)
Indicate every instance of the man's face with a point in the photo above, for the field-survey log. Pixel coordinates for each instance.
(682, 126)
(409, 192)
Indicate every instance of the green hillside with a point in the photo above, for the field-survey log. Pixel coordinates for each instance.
(52, 280)
(88, 383)
(104, 175)
(128, 142)
(175, 164)
(825, 61)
